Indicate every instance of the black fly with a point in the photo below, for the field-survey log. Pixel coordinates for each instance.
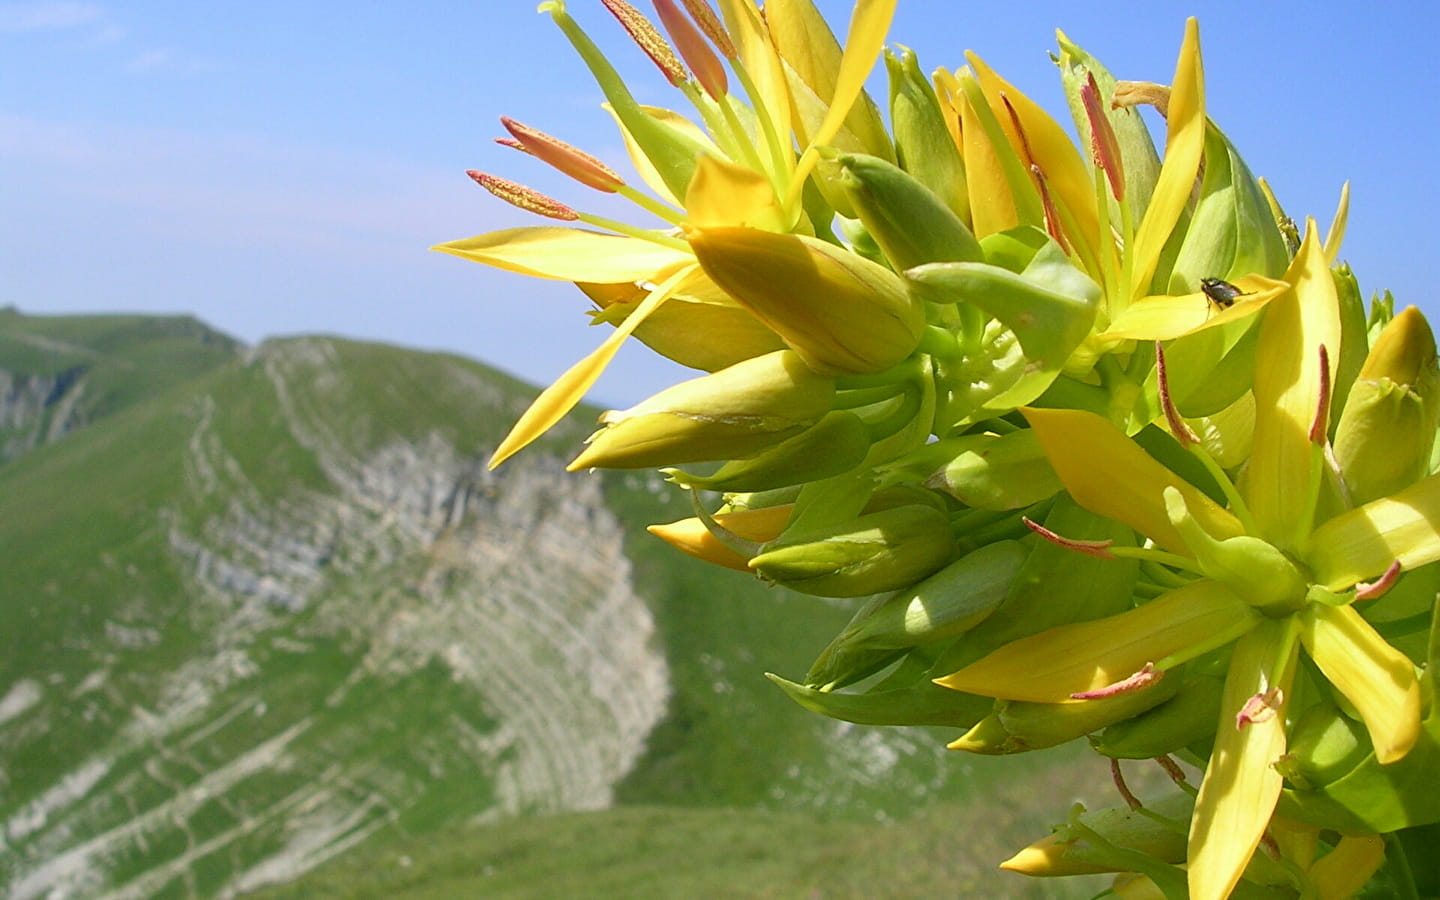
(1222, 293)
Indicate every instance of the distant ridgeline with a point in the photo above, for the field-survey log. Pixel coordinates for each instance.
(265, 605)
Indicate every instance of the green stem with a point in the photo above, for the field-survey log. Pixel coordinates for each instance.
(651, 205)
(644, 234)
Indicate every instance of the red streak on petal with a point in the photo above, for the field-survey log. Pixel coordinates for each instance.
(1321, 425)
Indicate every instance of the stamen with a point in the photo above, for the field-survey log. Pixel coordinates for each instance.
(1260, 708)
(525, 198)
(1138, 681)
(570, 160)
(1178, 426)
(1104, 146)
(709, 23)
(513, 145)
(1141, 93)
(1373, 590)
(708, 69)
(1097, 549)
(1172, 768)
(1321, 426)
(644, 34)
(1052, 215)
(1118, 777)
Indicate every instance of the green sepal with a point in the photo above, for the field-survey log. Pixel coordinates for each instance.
(879, 551)
(925, 703)
(945, 605)
(923, 146)
(1232, 231)
(910, 223)
(1189, 716)
(1354, 340)
(995, 471)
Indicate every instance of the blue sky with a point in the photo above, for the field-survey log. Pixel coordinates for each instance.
(281, 168)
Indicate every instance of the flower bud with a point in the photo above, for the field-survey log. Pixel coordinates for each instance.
(922, 703)
(1324, 745)
(1232, 231)
(923, 145)
(909, 222)
(879, 551)
(694, 537)
(1017, 726)
(996, 471)
(842, 314)
(731, 414)
(948, 603)
(835, 444)
(1387, 428)
(1069, 852)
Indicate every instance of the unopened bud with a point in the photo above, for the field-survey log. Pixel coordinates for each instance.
(731, 414)
(696, 538)
(880, 551)
(842, 314)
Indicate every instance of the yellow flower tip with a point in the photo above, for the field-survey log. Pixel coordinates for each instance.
(1047, 858)
(525, 198)
(1404, 352)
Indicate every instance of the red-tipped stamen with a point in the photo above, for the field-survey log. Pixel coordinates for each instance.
(1373, 590)
(708, 68)
(709, 23)
(1118, 777)
(1138, 681)
(1097, 549)
(1052, 215)
(1172, 768)
(1178, 426)
(648, 38)
(1104, 146)
(1320, 427)
(513, 145)
(570, 160)
(1260, 708)
(1271, 846)
(526, 198)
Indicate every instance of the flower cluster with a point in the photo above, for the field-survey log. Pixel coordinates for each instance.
(1109, 445)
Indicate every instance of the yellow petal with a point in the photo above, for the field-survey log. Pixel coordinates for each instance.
(1363, 542)
(1287, 393)
(693, 537)
(992, 204)
(1241, 785)
(723, 193)
(1052, 150)
(1184, 147)
(1341, 873)
(1375, 677)
(1162, 317)
(869, 24)
(759, 60)
(643, 167)
(1336, 235)
(1108, 474)
(569, 389)
(567, 254)
(1050, 666)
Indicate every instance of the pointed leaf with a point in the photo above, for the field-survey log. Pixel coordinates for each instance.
(1363, 542)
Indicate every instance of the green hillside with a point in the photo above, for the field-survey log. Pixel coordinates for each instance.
(271, 610)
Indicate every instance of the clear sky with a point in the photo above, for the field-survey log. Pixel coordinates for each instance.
(281, 168)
